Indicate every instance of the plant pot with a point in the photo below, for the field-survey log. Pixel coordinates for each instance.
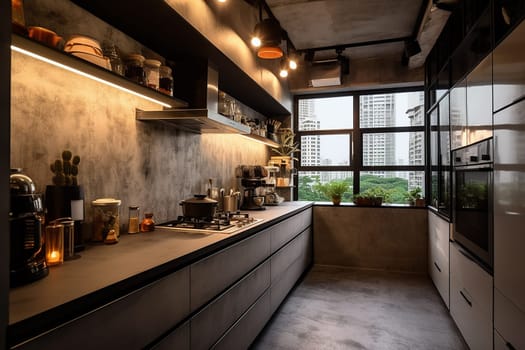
(420, 202)
(336, 200)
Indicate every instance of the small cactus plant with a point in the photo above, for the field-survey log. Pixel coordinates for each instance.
(65, 170)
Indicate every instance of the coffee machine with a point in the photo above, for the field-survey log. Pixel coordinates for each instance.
(27, 256)
(252, 181)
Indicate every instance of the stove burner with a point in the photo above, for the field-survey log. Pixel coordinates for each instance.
(218, 223)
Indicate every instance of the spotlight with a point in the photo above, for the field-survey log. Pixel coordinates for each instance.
(283, 73)
(256, 41)
(292, 63)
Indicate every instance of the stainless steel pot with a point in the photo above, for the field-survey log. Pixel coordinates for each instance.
(230, 204)
(199, 206)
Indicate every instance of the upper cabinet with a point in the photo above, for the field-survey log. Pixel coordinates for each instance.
(509, 69)
(479, 101)
(162, 28)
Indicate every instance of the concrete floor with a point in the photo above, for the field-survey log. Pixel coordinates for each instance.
(341, 308)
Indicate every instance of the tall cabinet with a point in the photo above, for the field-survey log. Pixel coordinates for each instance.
(5, 97)
(509, 191)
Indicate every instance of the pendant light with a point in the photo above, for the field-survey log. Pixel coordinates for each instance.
(268, 34)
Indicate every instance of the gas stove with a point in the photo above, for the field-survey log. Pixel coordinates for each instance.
(222, 223)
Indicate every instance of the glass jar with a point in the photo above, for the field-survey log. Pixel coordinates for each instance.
(165, 80)
(17, 17)
(54, 242)
(133, 219)
(135, 68)
(151, 68)
(106, 221)
(147, 224)
(111, 51)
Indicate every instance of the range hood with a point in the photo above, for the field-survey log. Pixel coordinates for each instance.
(199, 86)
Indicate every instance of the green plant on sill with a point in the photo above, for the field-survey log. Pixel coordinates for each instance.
(373, 197)
(333, 189)
(66, 170)
(413, 195)
(287, 146)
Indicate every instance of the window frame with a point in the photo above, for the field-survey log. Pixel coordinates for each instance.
(356, 138)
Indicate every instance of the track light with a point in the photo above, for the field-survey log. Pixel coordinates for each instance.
(283, 70)
(256, 41)
(283, 73)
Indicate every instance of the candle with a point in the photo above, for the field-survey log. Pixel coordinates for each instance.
(54, 258)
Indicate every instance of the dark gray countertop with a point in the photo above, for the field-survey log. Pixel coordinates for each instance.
(104, 272)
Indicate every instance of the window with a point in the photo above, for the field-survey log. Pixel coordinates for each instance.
(379, 146)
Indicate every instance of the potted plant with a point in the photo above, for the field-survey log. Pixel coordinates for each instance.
(373, 197)
(333, 189)
(287, 145)
(415, 198)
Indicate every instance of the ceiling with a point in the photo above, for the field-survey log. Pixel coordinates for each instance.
(357, 24)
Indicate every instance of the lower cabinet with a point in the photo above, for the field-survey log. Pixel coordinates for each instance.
(131, 322)
(178, 339)
(509, 322)
(438, 254)
(471, 299)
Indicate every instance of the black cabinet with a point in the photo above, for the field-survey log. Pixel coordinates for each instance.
(507, 14)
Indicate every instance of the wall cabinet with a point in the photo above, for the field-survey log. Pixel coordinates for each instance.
(438, 254)
(509, 69)
(471, 299)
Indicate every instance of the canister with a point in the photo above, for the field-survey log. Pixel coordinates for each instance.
(165, 80)
(135, 68)
(105, 218)
(151, 68)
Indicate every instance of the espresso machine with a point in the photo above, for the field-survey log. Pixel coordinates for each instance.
(27, 261)
(252, 182)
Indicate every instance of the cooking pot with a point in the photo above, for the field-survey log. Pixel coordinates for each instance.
(199, 206)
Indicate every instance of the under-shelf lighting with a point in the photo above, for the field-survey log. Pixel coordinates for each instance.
(84, 74)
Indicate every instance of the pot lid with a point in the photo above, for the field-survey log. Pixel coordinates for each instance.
(105, 201)
(200, 199)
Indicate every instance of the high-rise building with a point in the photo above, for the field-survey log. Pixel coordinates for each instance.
(378, 111)
(416, 146)
(310, 145)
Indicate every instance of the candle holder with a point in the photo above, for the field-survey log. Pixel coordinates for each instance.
(54, 242)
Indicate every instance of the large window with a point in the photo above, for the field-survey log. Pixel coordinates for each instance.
(377, 147)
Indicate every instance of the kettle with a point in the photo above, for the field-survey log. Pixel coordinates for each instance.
(27, 257)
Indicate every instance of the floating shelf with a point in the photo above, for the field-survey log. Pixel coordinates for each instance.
(90, 70)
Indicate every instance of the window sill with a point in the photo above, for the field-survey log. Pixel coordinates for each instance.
(349, 204)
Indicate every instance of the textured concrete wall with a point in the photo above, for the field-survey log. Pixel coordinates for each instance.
(374, 238)
(149, 165)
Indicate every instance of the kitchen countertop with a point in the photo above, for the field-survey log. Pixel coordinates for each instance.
(106, 272)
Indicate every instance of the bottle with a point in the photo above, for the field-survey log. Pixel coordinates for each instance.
(133, 219)
(147, 224)
(165, 80)
(151, 68)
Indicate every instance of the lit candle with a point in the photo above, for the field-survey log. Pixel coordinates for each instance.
(53, 258)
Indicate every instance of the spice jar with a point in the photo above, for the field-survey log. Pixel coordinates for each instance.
(147, 224)
(111, 51)
(151, 68)
(133, 219)
(165, 80)
(135, 68)
(18, 22)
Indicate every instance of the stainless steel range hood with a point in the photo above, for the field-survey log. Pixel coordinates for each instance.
(202, 116)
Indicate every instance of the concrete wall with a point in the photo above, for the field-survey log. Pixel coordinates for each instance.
(371, 238)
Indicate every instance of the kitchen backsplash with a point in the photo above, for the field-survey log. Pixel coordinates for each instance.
(141, 163)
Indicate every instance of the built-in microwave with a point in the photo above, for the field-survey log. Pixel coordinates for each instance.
(472, 211)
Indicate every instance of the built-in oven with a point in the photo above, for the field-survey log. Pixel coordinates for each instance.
(472, 212)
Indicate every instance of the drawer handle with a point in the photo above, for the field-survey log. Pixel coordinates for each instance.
(466, 299)
(437, 267)
(509, 346)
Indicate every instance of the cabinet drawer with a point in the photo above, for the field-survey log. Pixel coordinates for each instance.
(178, 339)
(472, 278)
(509, 321)
(471, 300)
(130, 322)
(282, 286)
(289, 253)
(211, 275)
(288, 229)
(242, 334)
(210, 323)
(499, 342)
(438, 257)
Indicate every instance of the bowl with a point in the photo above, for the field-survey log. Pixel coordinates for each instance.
(44, 35)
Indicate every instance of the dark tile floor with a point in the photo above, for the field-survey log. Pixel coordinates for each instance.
(339, 308)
